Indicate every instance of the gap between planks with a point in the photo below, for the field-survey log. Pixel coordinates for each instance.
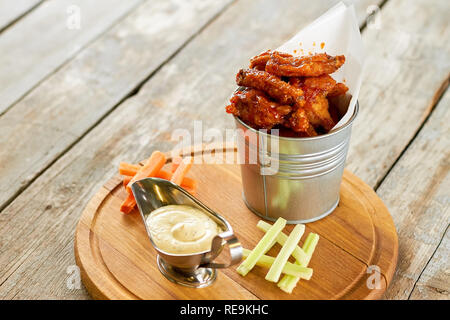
(20, 16)
(426, 265)
(437, 99)
(431, 107)
(80, 49)
(380, 6)
(133, 92)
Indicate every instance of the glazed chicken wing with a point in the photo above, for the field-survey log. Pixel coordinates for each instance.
(290, 93)
(259, 62)
(316, 104)
(316, 108)
(273, 86)
(256, 109)
(299, 122)
(309, 66)
(323, 82)
(337, 90)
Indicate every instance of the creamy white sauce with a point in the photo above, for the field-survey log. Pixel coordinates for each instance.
(182, 229)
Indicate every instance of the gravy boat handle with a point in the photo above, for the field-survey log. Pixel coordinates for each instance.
(218, 242)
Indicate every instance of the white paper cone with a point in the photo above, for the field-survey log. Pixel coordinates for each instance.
(338, 30)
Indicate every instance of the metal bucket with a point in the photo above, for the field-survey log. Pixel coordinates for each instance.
(297, 179)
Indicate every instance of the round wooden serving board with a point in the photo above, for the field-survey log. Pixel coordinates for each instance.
(358, 245)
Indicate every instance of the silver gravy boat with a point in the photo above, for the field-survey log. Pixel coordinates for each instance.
(192, 270)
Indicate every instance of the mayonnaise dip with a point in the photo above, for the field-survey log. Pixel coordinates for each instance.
(182, 229)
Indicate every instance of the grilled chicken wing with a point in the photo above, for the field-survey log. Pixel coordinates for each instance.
(316, 104)
(288, 92)
(259, 62)
(299, 122)
(256, 109)
(337, 90)
(273, 86)
(309, 66)
(316, 108)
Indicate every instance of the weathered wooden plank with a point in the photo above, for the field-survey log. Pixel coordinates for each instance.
(407, 67)
(11, 11)
(366, 11)
(434, 282)
(199, 79)
(415, 74)
(417, 193)
(54, 115)
(47, 37)
(42, 125)
(36, 143)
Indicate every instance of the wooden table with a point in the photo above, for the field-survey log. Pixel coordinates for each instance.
(77, 99)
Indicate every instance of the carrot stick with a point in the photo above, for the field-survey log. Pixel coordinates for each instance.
(126, 180)
(187, 183)
(128, 205)
(128, 169)
(181, 171)
(151, 167)
(176, 162)
(190, 190)
(163, 175)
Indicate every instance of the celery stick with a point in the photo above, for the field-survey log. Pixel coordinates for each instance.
(298, 253)
(289, 268)
(285, 252)
(310, 244)
(262, 247)
(288, 283)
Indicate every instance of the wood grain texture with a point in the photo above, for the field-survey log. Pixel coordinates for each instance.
(54, 115)
(11, 11)
(407, 67)
(394, 103)
(358, 235)
(130, 133)
(417, 193)
(113, 250)
(115, 140)
(434, 282)
(110, 261)
(42, 41)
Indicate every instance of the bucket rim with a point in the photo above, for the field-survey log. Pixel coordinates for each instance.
(322, 136)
